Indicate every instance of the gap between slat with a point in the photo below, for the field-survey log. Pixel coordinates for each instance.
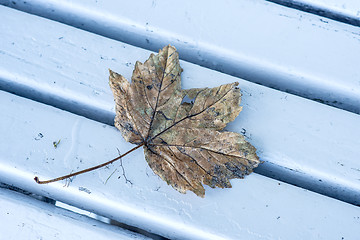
(339, 16)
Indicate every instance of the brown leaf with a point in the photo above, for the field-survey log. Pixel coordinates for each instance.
(183, 141)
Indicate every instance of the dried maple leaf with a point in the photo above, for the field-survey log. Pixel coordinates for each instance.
(183, 142)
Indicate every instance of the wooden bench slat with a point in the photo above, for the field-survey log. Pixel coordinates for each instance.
(23, 217)
(306, 143)
(255, 208)
(253, 39)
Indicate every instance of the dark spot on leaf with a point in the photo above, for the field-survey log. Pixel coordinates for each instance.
(129, 127)
(181, 149)
(235, 170)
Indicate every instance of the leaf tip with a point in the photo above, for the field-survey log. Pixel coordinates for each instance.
(112, 73)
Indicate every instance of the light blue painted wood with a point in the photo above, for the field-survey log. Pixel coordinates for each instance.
(23, 217)
(256, 40)
(302, 142)
(255, 208)
(67, 68)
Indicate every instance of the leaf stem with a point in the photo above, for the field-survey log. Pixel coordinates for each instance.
(88, 169)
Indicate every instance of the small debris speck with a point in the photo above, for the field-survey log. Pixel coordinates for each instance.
(243, 131)
(56, 144)
(39, 136)
(83, 189)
